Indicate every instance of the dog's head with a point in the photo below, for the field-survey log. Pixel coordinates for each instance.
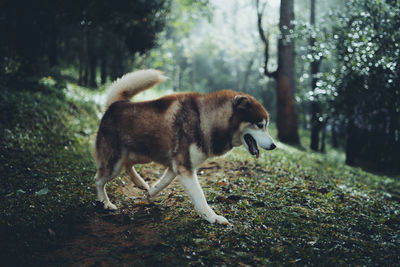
(253, 122)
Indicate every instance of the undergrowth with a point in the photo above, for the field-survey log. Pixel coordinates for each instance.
(290, 206)
(46, 165)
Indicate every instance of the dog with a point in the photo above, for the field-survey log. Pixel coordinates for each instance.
(179, 131)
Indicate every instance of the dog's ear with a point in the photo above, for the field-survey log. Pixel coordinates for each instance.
(241, 102)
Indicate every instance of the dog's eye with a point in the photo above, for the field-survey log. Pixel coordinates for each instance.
(260, 125)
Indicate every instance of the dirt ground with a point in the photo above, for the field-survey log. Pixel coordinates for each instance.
(130, 235)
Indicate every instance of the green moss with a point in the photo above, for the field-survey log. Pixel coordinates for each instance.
(46, 165)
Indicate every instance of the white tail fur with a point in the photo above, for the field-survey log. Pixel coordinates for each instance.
(131, 84)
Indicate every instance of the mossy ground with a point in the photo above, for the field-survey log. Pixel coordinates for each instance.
(290, 206)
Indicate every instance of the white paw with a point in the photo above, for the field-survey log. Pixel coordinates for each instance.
(110, 206)
(148, 197)
(218, 219)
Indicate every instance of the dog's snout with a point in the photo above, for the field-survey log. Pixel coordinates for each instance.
(273, 146)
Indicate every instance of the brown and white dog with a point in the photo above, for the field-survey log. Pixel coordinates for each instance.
(179, 131)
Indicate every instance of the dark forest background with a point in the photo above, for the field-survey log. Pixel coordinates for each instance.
(328, 67)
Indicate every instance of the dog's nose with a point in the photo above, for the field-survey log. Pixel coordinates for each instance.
(273, 146)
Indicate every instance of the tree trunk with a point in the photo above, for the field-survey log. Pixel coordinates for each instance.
(287, 123)
(316, 123)
(117, 68)
(103, 70)
(83, 60)
(286, 108)
(92, 68)
(26, 43)
(334, 139)
(351, 144)
(92, 59)
(323, 137)
(247, 73)
(53, 47)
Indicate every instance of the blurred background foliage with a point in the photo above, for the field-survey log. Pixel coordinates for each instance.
(346, 67)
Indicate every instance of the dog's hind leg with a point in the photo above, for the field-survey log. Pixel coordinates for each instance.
(162, 183)
(192, 187)
(104, 175)
(100, 182)
(135, 177)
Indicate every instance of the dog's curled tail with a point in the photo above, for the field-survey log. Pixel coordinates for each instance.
(131, 84)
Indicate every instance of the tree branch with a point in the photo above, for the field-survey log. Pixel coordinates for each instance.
(265, 39)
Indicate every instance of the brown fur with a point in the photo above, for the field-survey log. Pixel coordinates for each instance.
(164, 130)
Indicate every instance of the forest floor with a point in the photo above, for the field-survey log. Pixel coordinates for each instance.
(133, 234)
(289, 220)
(290, 206)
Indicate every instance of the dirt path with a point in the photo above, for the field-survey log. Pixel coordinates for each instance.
(129, 236)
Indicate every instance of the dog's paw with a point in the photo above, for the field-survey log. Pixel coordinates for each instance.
(110, 206)
(219, 219)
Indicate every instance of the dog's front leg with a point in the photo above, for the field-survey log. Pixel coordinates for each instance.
(193, 189)
(163, 182)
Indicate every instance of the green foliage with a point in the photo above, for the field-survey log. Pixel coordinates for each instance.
(357, 87)
(185, 13)
(368, 53)
(366, 81)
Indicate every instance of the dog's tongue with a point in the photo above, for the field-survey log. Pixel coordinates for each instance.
(252, 144)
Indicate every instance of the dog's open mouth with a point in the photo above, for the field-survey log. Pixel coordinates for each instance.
(252, 144)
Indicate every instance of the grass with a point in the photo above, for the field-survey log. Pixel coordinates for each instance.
(46, 165)
(293, 207)
(288, 207)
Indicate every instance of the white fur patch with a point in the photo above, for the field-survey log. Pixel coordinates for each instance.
(132, 83)
(196, 155)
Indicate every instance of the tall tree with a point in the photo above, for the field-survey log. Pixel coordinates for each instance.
(316, 123)
(287, 123)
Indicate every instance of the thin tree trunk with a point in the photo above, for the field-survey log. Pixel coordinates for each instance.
(103, 70)
(247, 74)
(351, 144)
(83, 64)
(52, 53)
(92, 68)
(323, 137)
(334, 139)
(316, 123)
(80, 78)
(286, 108)
(92, 59)
(287, 123)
